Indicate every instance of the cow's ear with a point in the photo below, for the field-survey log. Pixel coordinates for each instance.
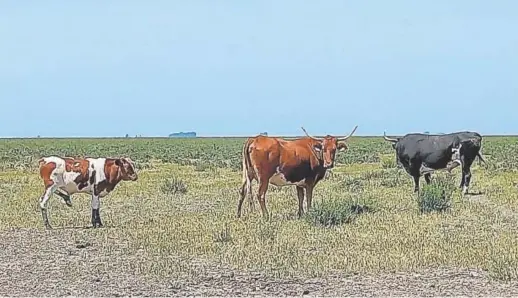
(341, 146)
(317, 147)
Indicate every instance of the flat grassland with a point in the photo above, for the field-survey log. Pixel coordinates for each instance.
(175, 232)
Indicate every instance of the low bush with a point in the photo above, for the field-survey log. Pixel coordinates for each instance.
(173, 186)
(437, 196)
(336, 212)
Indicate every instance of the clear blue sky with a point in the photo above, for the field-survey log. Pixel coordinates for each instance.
(107, 68)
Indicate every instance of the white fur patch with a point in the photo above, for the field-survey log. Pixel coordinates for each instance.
(278, 179)
(98, 166)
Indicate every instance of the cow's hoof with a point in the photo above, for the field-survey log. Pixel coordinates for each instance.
(48, 227)
(97, 225)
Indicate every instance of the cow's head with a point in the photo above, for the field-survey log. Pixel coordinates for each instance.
(127, 169)
(393, 141)
(327, 146)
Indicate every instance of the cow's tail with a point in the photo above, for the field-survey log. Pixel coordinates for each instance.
(480, 158)
(247, 163)
(246, 187)
(479, 154)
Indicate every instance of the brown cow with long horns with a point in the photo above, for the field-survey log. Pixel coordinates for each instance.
(301, 162)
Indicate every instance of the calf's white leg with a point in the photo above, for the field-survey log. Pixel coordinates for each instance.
(43, 204)
(96, 217)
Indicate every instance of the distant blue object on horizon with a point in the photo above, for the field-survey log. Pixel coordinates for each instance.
(190, 134)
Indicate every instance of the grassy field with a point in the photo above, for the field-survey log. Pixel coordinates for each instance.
(177, 223)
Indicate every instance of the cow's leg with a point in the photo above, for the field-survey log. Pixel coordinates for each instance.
(245, 188)
(466, 175)
(261, 196)
(415, 172)
(428, 178)
(242, 195)
(96, 216)
(251, 204)
(463, 178)
(300, 196)
(64, 196)
(49, 190)
(416, 183)
(309, 195)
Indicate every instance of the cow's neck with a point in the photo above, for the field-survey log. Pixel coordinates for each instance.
(113, 175)
(314, 160)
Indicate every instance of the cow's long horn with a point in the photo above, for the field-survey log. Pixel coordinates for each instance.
(318, 139)
(389, 139)
(345, 138)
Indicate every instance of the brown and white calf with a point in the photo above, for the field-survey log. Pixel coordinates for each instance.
(95, 176)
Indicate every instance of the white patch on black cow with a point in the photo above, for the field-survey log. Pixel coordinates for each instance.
(453, 163)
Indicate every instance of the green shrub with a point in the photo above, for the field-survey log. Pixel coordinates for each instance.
(336, 212)
(437, 195)
(201, 166)
(222, 236)
(352, 184)
(173, 186)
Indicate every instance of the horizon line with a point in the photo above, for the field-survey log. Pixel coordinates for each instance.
(208, 136)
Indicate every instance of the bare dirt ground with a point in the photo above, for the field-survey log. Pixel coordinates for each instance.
(55, 264)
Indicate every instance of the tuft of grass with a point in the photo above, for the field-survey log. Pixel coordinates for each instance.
(336, 212)
(353, 184)
(503, 268)
(436, 196)
(388, 162)
(223, 236)
(202, 166)
(173, 186)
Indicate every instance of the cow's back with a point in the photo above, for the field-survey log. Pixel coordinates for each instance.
(293, 159)
(264, 152)
(432, 150)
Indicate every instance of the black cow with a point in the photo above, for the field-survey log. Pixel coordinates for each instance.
(422, 154)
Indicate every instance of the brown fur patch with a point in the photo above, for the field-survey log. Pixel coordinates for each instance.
(296, 159)
(45, 172)
(113, 177)
(78, 166)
